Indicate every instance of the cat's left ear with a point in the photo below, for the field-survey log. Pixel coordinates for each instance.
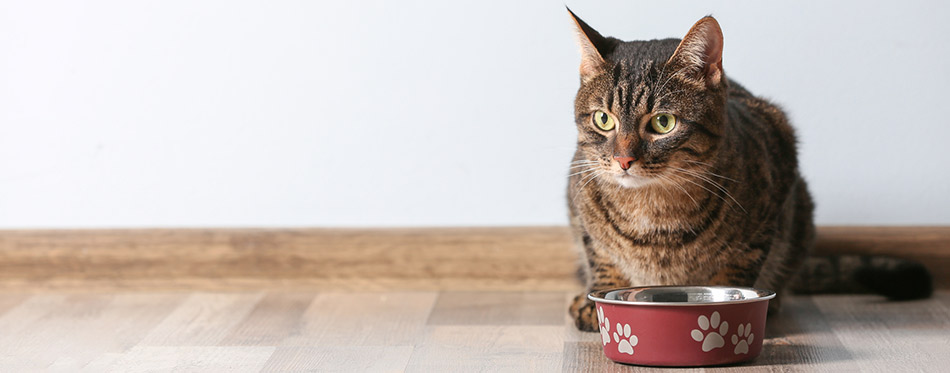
(700, 52)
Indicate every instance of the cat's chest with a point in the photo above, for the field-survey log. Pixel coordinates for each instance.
(640, 216)
(643, 237)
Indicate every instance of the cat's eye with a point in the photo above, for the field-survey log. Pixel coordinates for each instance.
(603, 120)
(663, 123)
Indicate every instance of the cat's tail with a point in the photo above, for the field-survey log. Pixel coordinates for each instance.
(897, 279)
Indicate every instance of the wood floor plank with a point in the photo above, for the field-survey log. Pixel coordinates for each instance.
(499, 308)
(339, 359)
(121, 324)
(105, 362)
(402, 331)
(889, 336)
(799, 339)
(130, 317)
(363, 319)
(589, 357)
(272, 320)
(8, 301)
(487, 348)
(89, 325)
(185, 359)
(40, 341)
(29, 310)
(203, 319)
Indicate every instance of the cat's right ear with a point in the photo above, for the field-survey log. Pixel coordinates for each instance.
(593, 47)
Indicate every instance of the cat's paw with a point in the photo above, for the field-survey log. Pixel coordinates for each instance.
(743, 339)
(582, 311)
(625, 339)
(711, 339)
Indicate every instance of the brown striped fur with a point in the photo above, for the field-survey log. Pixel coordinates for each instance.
(718, 201)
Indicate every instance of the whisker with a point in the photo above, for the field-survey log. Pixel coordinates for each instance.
(589, 178)
(674, 183)
(698, 162)
(665, 190)
(699, 175)
(710, 172)
(584, 178)
(724, 191)
(717, 185)
(583, 171)
(721, 177)
(592, 179)
(584, 165)
(701, 186)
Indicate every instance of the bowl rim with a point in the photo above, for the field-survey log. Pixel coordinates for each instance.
(600, 296)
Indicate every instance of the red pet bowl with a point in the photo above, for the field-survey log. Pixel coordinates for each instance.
(682, 325)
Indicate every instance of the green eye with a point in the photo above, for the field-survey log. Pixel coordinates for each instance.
(603, 120)
(663, 123)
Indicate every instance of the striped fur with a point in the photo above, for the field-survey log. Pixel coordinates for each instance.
(718, 201)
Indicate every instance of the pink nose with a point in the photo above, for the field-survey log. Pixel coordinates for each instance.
(625, 162)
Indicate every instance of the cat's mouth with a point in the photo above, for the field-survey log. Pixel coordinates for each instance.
(629, 180)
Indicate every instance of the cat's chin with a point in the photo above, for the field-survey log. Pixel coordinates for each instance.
(632, 181)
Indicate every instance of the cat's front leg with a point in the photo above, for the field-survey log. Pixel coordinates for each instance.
(600, 276)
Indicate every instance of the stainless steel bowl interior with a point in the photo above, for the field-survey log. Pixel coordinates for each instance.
(681, 295)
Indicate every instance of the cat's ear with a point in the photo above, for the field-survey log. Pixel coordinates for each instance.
(593, 47)
(700, 52)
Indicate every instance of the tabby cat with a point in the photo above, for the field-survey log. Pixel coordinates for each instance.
(681, 176)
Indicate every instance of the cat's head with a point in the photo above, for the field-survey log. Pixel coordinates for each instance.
(649, 112)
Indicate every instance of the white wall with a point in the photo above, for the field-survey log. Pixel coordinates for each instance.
(237, 113)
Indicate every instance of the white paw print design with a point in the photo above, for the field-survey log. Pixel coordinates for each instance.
(743, 339)
(713, 339)
(604, 325)
(625, 341)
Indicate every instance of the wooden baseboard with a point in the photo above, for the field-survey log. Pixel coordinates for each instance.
(514, 258)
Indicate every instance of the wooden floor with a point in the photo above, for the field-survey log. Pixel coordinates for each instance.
(418, 300)
(420, 331)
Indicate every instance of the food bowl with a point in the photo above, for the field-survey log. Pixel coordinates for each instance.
(682, 325)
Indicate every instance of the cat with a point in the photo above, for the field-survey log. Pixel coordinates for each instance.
(683, 177)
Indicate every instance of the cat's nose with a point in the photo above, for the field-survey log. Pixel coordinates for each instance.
(625, 162)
